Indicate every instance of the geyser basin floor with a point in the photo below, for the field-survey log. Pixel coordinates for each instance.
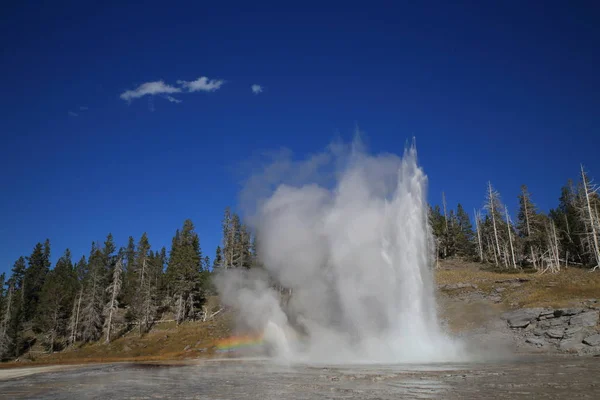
(533, 377)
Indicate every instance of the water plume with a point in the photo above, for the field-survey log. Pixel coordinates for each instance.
(347, 234)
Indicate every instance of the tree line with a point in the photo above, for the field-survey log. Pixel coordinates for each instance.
(568, 235)
(113, 290)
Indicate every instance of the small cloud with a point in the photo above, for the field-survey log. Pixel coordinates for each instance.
(172, 99)
(149, 88)
(73, 114)
(256, 89)
(83, 108)
(202, 84)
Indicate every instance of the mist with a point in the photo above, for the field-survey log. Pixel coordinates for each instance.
(346, 233)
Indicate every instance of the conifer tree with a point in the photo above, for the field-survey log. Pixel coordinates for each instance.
(33, 281)
(5, 320)
(184, 267)
(218, 261)
(56, 298)
(93, 300)
(129, 280)
(465, 242)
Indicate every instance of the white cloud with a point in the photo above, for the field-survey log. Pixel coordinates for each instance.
(149, 88)
(256, 89)
(202, 84)
(83, 108)
(73, 114)
(172, 99)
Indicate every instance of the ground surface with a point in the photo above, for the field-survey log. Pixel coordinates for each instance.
(469, 297)
(533, 377)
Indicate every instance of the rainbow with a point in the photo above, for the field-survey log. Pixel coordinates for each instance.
(238, 342)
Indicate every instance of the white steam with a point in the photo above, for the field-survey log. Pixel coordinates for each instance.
(356, 257)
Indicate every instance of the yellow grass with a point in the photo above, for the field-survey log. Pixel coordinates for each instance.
(568, 287)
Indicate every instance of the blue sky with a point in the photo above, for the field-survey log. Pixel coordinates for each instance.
(505, 92)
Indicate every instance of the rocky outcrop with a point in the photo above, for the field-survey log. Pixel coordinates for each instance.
(573, 330)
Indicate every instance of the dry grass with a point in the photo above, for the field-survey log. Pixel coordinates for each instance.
(166, 341)
(565, 288)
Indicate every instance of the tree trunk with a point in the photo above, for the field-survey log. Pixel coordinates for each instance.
(492, 197)
(478, 235)
(512, 250)
(593, 221)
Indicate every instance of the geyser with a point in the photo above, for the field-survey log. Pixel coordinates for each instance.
(356, 254)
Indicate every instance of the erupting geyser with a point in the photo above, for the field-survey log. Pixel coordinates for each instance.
(356, 255)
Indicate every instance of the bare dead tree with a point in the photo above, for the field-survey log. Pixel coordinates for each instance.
(180, 308)
(591, 219)
(551, 258)
(207, 315)
(190, 306)
(478, 229)
(445, 211)
(492, 199)
(91, 314)
(113, 304)
(510, 239)
(74, 320)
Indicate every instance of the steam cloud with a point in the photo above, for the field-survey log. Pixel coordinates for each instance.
(347, 234)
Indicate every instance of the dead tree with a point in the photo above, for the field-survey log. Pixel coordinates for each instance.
(478, 228)
(552, 257)
(590, 218)
(492, 199)
(180, 309)
(113, 304)
(510, 239)
(74, 321)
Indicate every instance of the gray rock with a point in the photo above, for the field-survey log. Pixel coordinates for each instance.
(538, 331)
(572, 331)
(499, 289)
(554, 322)
(536, 341)
(513, 280)
(555, 333)
(187, 347)
(523, 317)
(571, 345)
(593, 340)
(495, 298)
(460, 285)
(565, 312)
(589, 318)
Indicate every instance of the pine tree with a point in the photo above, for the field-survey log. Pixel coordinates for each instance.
(2, 291)
(228, 239)
(568, 226)
(531, 228)
(218, 261)
(464, 239)
(184, 267)
(55, 300)
(5, 320)
(129, 286)
(93, 300)
(35, 275)
(144, 306)
(15, 324)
